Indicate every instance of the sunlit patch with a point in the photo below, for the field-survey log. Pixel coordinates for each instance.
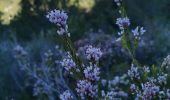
(9, 9)
(85, 5)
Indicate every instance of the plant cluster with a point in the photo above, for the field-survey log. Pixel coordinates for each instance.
(52, 77)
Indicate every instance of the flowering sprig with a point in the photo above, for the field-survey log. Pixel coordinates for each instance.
(138, 32)
(124, 23)
(86, 88)
(69, 65)
(134, 72)
(60, 19)
(66, 95)
(89, 74)
(92, 73)
(93, 54)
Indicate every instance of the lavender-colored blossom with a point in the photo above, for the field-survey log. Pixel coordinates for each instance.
(103, 93)
(138, 31)
(123, 22)
(166, 62)
(60, 19)
(86, 88)
(57, 17)
(69, 64)
(149, 90)
(146, 69)
(93, 53)
(133, 72)
(162, 79)
(92, 73)
(133, 87)
(66, 95)
(121, 32)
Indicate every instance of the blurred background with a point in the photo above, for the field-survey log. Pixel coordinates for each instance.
(90, 21)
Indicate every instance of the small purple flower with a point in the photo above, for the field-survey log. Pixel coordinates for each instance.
(93, 53)
(57, 17)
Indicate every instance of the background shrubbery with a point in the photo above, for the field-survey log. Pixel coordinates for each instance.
(90, 21)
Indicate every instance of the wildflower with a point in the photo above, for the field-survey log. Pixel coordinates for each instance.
(166, 62)
(133, 87)
(66, 95)
(123, 22)
(149, 90)
(103, 93)
(69, 64)
(146, 69)
(121, 32)
(61, 31)
(162, 79)
(152, 79)
(60, 19)
(133, 72)
(57, 17)
(92, 53)
(138, 31)
(92, 73)
(85, 87)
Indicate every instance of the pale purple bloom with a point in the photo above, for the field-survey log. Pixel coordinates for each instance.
(86, 88)
(92, 73)
(149, 90)
(123, 22)
(66, 95)
(146, 69)
(69, 64)
(134, 72)
(93, 53)
(138, 31)
(57, 17)
(162, 79)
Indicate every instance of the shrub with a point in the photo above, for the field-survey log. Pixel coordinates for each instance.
(79, 76)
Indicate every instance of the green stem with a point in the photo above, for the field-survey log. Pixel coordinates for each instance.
(128, 42)
(72, 51)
